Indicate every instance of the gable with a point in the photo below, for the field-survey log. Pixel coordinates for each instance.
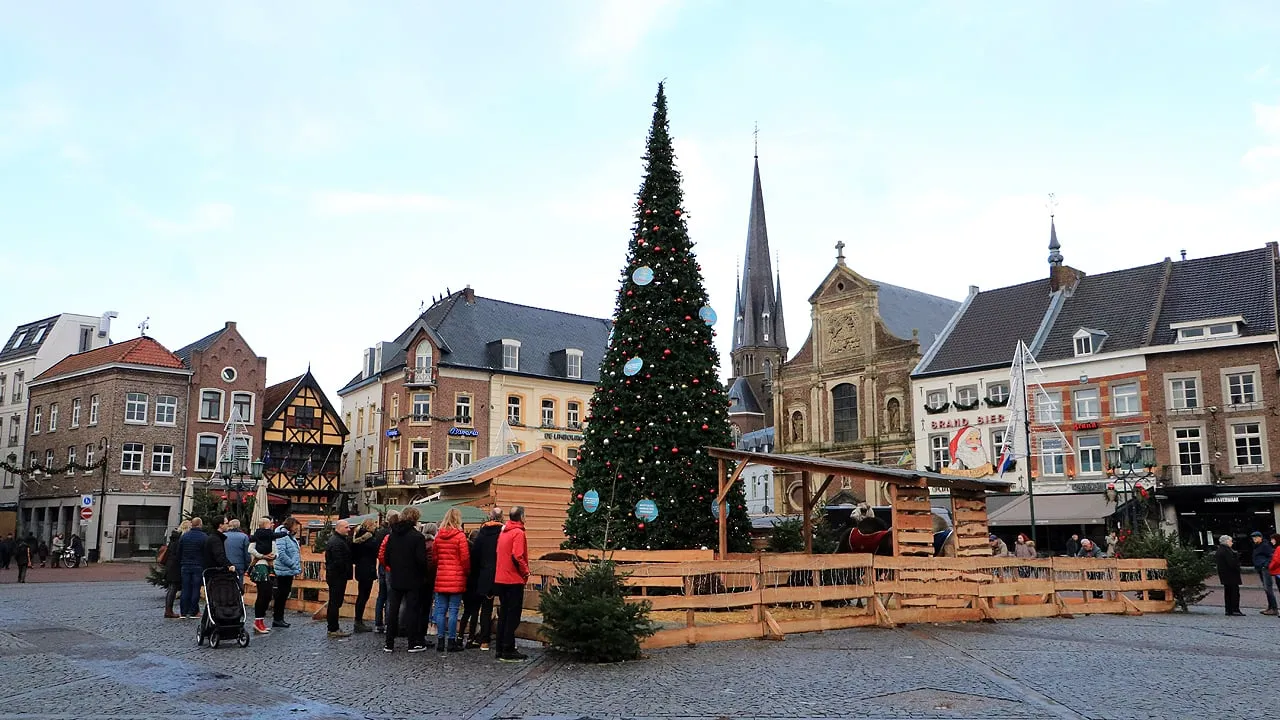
(304, 416)
(840, 284)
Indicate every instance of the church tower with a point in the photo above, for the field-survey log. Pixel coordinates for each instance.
(759, 332)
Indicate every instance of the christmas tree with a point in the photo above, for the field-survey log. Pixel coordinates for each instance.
(660, 400)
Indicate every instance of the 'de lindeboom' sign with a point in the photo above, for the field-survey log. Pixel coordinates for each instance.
(464, 432)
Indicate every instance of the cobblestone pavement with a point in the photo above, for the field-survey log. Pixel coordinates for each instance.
(100, 650)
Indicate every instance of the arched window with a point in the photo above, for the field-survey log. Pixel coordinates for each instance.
(768, 369)
(844, 412)
(422, 360)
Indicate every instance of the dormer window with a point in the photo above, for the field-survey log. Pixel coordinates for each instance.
(573, 363)
(1088, 342)
(510, 354)
(1212, 329)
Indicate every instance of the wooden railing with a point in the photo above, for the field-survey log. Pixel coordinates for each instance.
(771, 595)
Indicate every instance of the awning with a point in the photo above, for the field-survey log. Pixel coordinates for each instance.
(1055, 509)
(432, 512)
(247, 495)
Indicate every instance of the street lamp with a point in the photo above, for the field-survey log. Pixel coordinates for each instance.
(1123, 465)
(238, 469)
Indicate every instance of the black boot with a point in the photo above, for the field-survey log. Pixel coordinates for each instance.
(455, 645)
(439, 644)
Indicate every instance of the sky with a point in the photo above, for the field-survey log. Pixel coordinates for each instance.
(317, 170)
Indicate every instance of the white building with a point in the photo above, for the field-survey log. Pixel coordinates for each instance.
(33, 348)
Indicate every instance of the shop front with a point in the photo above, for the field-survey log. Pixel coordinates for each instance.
(1239, 511)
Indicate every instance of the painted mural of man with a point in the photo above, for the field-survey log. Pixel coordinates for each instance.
(967, 451)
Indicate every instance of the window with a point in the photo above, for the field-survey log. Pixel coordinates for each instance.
(1129, 438)
(936, 398)
(360, 421)
(135, 408)
(17, 386)
(1084, 345)
(162, 459)
(373, 419)
(40, 331)
(86, 338)
(35, 460)
(166, 410)
(15, 429)
(71, 459)
(242, 407)
(1227, 327)
(48, 459)
(997, 445)
(967, 397)
(75, 413)
(395, 409)
(573, 415)
(207, 452)
(1052, 459)
(303, 418)
(88, 457)
(1183, 393)
(2, 387)
(93, 409)
(844, 412)
(573, 360)
(462, 409)
(422, 358)
(211, 405)
(513, 447)
(548, 413)
(459, 452)
(131, 458)
(1087, 406)
(940, 451)
(1240, 388)
(420, 455)
(513, 409)
(53, 417)
(1246, 439)
(17, 340)
(1049, 407)
(571, 455)
(1124, 400)
(998, 393)
(510, 355)
(229, 374)
(1190, 451)
(37, 415)
(421, 407)
(1089, 451)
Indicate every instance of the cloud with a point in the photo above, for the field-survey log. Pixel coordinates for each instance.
(346, 202)
(1267, 118)
(618, 27)
(205, 218)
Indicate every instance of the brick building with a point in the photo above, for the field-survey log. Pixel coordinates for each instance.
(846, 393)
(226, 377)
(121, 411)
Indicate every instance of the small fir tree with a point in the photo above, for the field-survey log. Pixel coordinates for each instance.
(587, 615)
(660, 400)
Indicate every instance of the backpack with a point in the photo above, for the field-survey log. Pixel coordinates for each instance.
(260, 573)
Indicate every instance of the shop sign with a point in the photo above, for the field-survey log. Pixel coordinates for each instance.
(1087, 426)
(562, 436)
(1223, 499)
(393, 433)
(464, 432)
(965, 422)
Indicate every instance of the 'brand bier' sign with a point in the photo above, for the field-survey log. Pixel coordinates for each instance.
(964, 422)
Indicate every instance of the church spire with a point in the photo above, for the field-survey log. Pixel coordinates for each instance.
(1055, 250)
(758, 301)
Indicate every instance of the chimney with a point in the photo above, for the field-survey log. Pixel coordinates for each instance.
(469, 295)
(104, 323)
(1184, 254)
(231, 325)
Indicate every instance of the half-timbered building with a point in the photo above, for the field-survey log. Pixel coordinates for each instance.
(302, 437)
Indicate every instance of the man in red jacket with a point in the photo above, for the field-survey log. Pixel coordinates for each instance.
(509, 579)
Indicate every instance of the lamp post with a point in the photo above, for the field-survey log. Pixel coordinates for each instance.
(238, 469)
(1123, 463)
(96, 554)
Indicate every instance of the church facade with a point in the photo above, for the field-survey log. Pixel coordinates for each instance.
(846, 393)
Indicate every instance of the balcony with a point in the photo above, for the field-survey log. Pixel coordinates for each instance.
(411, 477)
(1188, 475)
(421, 377)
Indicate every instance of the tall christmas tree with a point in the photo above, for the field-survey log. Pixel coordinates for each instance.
(643, 471)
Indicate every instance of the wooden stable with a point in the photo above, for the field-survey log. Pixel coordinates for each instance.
(909, 497)
(537, 479)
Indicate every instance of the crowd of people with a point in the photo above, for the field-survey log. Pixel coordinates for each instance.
(1265, 556)
(430, 579)
(24, 551)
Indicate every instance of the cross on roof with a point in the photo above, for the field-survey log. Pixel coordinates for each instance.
(840, 251)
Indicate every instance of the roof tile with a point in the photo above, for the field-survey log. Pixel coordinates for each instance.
(139, 351)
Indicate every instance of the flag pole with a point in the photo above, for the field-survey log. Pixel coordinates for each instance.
(1026, 426)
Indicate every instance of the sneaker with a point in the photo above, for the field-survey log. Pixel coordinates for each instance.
(260, 626)
(484, 646)
(418, 648)
(339, 634)
(279, 624)
(473, 645)
(362, 628)
(380, 629)
(517, 655)
(511, 657)
(455, 645)
(1269, 611)
(387, 649)
(171, 615)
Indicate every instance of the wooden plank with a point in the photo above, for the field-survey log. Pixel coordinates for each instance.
(955, 602)
(914, 521)
(1154, 606)
(718, 601)
(1081, 564)
(789, 595)
(774, 630)
(914, 537)
(706, 567)
(921, 601)
(1015, 612)
(787, 562)
(936, 615)
(648, 556)
(1022, 587)
(976, 516)
(1096, 607)
(883, 587)
(959, 504)
(712, 633)
(1085, 585)
(828, 622)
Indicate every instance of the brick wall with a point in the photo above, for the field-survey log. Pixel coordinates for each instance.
(229, 351)
(1215, 415)
(435, 432)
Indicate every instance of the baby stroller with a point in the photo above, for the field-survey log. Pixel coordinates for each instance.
(224, 613)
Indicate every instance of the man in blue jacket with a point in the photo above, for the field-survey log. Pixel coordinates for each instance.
(237, 547)
(1262, 550)
(191, 547)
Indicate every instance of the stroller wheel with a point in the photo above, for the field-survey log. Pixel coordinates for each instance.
(200, 634)
(243, 639)
(214, 639)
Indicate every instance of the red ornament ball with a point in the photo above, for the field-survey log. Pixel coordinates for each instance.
(667, 351)
(687, 318)
(675, 450)
(628, 293)
(579, 496)
(640, 525)
(677, 212)
(706, 427)
(655, 228)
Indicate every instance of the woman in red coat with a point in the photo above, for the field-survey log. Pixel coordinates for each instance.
(1274, 567)
(453, 564)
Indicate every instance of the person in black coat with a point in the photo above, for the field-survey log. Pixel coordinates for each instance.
(215, 549)
(338, 567)
(1229, 575)
(172, 572)
(479, 598)
(364, 551)
(408, 562)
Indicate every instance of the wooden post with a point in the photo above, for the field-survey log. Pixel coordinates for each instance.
(724, 514)
(689, 619)
(808, 514)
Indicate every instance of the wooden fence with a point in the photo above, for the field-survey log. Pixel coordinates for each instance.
(771, 595)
